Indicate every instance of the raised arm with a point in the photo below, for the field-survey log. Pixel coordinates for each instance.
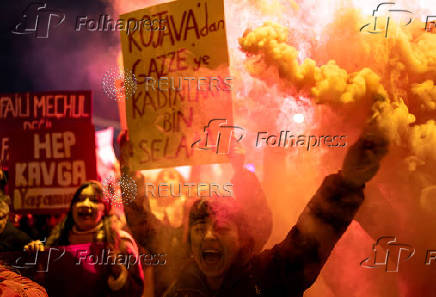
(143, 224)
(293, 265)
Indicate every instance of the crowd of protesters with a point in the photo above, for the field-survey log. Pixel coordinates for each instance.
(215, 249)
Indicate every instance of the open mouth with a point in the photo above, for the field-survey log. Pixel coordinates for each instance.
(211, 256)
(86, 213)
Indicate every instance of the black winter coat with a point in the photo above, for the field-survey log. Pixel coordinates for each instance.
(292, 266)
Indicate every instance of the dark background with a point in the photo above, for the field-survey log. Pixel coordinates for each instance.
(66, 60)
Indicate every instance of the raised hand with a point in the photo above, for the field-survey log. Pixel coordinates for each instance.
(34, 246)
(363, 158)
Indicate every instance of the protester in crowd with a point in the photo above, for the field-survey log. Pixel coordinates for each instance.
(89, 222)
(44, 224)
(158, 237)
(169, 206)
(11, 238)
(26, 223)
(14, 285)
(224, 262)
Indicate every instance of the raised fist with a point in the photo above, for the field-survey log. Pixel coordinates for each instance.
(363, 158)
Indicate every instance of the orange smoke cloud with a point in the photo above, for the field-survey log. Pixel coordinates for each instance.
(333, 85)
(309, 57)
